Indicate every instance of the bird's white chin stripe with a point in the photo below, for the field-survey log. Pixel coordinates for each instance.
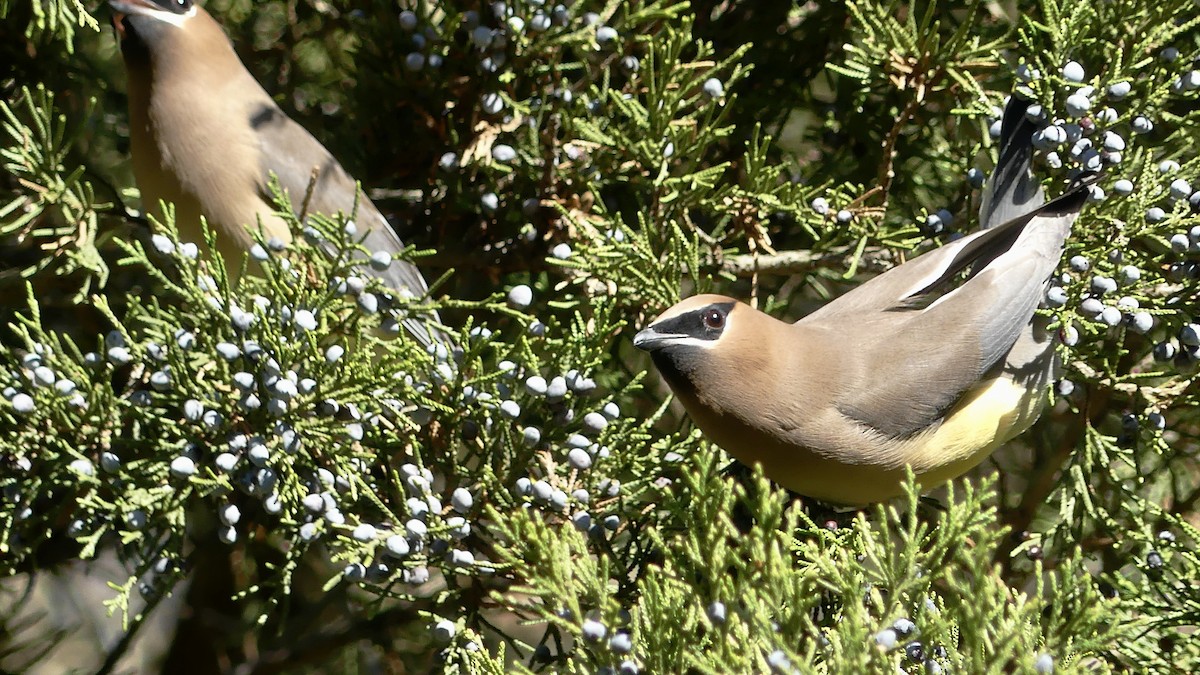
(163, 15)
(683, 341)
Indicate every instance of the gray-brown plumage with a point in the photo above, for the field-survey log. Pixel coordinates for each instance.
(911, 368)
(206, 137)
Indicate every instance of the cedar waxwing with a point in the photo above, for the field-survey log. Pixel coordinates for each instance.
(206, 137)
(908, 369)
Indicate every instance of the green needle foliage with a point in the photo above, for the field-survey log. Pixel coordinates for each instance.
(271, 471)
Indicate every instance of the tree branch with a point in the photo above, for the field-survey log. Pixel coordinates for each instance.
(786, 263)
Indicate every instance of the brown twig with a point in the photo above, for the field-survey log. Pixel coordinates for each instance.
(789, 263)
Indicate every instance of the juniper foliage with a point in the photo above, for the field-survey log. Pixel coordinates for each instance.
(288, 483)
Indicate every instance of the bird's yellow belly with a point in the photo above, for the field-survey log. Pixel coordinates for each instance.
(990, 414)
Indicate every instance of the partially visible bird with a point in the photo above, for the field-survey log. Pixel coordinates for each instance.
(206, 137)
(912, 368)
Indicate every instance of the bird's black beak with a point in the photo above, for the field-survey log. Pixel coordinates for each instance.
(649, 339)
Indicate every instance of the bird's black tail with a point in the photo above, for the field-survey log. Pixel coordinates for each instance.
(1012, 190)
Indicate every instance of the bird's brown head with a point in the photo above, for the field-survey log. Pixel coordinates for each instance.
(697, 340)
(142, 21)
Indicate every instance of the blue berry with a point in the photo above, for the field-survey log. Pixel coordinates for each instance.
(1056, 296)
(444, 631)
(183, 467)
(162, 244)
(557, 388)
(416, 530)
(259, 455)
(558, 499)
(716, 612)
(368, 303)
(23, 404)
(461, 500)
(364, 532)
(886, 639)
(524, 486)
(109, 462)
(1101, 285)
(503, 153)
(230, 514)
(82, 467)
(536, 385)
(492, 104)
(520, 297)
(621, 643)
(1164, 351)
(531, 436)
(1078, 105)
(1073, 72)
(510, 409)
(582, 520)
(595, 422)
(397, 546)
(594, 630)
(579, 459)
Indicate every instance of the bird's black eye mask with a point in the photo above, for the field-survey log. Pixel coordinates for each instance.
(150, 7)
(706, 323)
(175, 6)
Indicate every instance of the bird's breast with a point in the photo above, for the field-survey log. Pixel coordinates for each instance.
(823, 455)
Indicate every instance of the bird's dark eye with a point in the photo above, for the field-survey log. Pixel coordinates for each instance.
(713, 319)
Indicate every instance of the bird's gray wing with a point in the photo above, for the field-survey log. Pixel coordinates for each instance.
(918, 277)
(919, 362)
(930, 341)
(1011, 192)
(292, 154)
